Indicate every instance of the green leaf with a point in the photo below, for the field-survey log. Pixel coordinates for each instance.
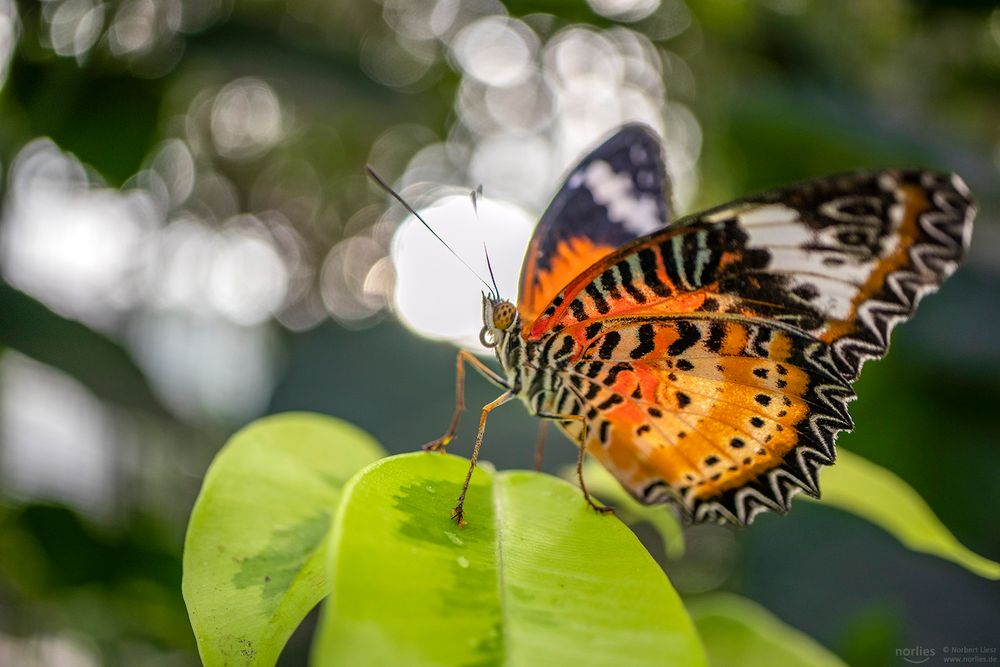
(535, 578)
(859, 486)
(737, 631)
(254, 556)
(602, 483)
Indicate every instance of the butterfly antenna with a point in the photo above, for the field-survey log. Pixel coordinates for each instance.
(395, 195)
(496, 290)
(475, 196)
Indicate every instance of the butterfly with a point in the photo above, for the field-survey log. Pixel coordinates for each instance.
(708, 362)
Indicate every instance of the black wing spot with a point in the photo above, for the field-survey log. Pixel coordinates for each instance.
(756, 422)
(647, 263)
(711, 460)
(806, 292)
(605, 425)
(645, 428)
(761, 373)
(736, 443)
(763, 399)
(683, 399)
(613, 372)
(567, 346)
(593, 329)
(655, 412)
(684, 365)
(716, 335)
(687, 335)
(609, 284)
(611, 401)
(609, 344)
(625, 271)
(598, 298)
(646, 336)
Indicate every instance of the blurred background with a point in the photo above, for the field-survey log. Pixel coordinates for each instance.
(188, 241)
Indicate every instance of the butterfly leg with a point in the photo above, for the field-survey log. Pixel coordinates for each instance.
(458, 513)
(487, 372)
(603, 509)
(543, 427)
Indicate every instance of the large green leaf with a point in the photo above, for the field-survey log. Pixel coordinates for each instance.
(859, 486)
(737, 631)
(254, 557)
(535, 578)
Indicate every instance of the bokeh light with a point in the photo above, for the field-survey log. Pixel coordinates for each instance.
(69, 459)
(624, 10)
(246, 119)
(9, 28)
(69, 241)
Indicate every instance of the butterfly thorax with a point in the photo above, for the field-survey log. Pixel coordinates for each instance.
(527, 370)
(537, 370)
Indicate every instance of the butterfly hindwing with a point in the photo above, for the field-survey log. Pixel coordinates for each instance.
(723, 348)
(697, 409)
(617, 193)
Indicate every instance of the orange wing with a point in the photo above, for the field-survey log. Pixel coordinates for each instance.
(713, 360)
(616, 194)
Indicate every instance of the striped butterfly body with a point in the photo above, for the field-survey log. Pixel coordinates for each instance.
(708, 363)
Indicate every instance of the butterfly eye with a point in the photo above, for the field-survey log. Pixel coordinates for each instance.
(487, 338)
(503, 315)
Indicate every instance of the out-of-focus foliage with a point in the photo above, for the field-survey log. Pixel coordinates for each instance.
(853, 485)
(738, 632)
(874, 493)
(188, 241)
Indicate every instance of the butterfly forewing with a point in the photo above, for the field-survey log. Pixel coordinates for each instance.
(617, 193)
(713, 359)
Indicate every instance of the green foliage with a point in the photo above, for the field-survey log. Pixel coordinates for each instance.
(859, 486)
(254, 557)
(535, 578)
(854, 485)
(737, 631)
(297, 507)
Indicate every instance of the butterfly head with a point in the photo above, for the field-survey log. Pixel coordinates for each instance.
(499, 316)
